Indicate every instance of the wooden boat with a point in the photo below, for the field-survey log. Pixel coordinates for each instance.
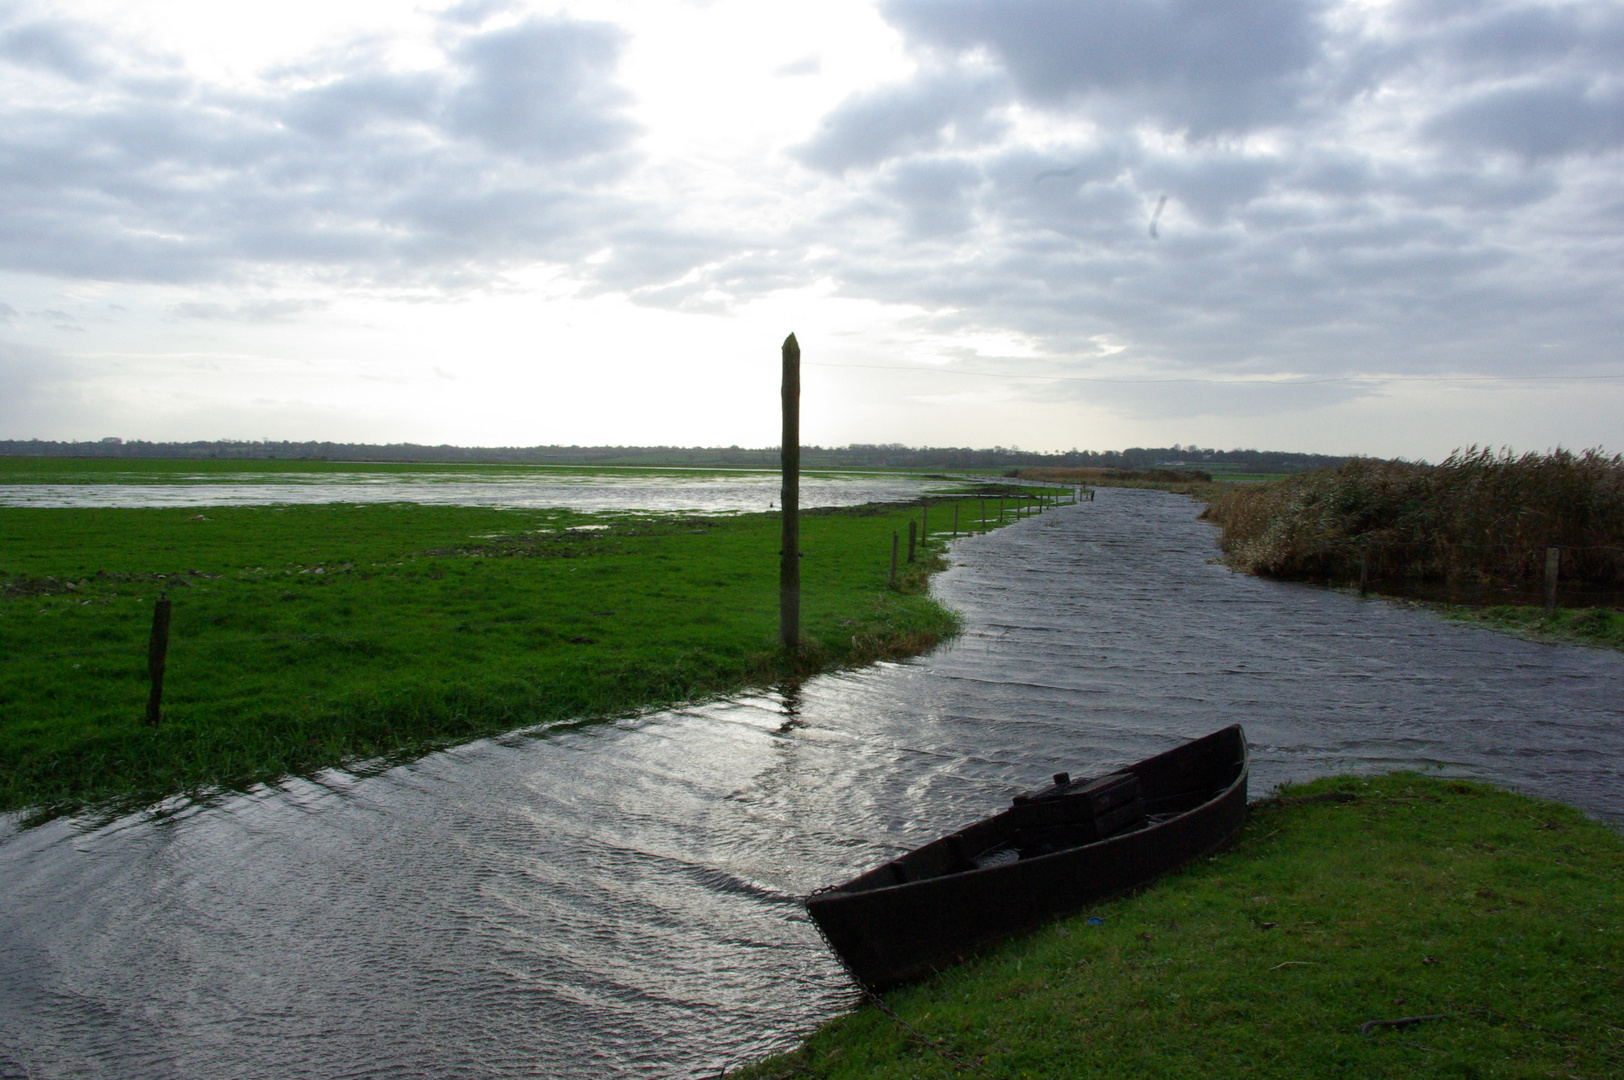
(1053, 852)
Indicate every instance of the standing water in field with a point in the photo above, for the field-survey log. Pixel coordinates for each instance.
(697, 491)
(622, 900)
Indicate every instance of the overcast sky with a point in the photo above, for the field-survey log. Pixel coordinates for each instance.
(1386, 228)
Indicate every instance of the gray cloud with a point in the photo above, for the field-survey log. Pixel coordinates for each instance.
(1431, 189)
(1535, 121)
(53, 46)
(1206, 65)
(504, 155)
(1439, 198)
(935, 109)
(541, 89)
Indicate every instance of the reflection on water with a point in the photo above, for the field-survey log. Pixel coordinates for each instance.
(695, 491)
(622, 900)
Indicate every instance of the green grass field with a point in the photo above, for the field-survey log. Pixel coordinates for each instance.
(1499, 915)
(307, 636)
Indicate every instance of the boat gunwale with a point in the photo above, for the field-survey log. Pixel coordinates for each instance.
(1243, 771)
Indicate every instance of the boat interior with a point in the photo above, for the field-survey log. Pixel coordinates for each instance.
(1070, 813)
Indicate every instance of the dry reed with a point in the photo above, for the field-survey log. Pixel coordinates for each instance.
(1479, 518)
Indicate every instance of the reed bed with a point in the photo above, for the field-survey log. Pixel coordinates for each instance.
(1480, 518)
(1114, 476)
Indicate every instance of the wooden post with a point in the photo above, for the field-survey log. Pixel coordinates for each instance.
(893, 560)
(1553, 564)
(913, 538)
(157, 657)
(789, 554)
(1364, 571)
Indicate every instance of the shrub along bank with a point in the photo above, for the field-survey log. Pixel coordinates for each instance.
(308, 636)
(1478, 519)
(1427, 928)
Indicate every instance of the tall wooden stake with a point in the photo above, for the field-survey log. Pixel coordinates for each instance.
(1553, 563)
(157, 657)
(789, 555)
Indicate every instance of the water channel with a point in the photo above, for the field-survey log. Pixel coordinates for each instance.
(621, 900)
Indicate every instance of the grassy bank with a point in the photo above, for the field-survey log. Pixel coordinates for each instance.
(1591, 626)
(306, 636)
(1501, 916)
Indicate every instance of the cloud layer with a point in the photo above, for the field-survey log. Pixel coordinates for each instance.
(121, 167)
(1426, 186)
(1337, 189)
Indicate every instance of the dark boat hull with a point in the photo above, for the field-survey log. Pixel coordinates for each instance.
(890, 930)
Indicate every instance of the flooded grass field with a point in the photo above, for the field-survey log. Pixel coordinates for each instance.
(623, 899)
(306, 636)
(126, 482)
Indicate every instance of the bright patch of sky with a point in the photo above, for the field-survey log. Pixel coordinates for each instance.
(1346, 227)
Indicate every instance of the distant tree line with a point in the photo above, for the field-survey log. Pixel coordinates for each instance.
(857, 455)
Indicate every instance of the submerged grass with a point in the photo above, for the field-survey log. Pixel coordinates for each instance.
(1498, 917)
(309, 636)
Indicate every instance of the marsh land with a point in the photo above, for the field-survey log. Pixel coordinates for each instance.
(307, 636)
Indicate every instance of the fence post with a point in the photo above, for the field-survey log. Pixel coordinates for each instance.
(1553, 564)
(893, 559)
(789, 556)
(157, 657)
(1364, 571)
(913, 538)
